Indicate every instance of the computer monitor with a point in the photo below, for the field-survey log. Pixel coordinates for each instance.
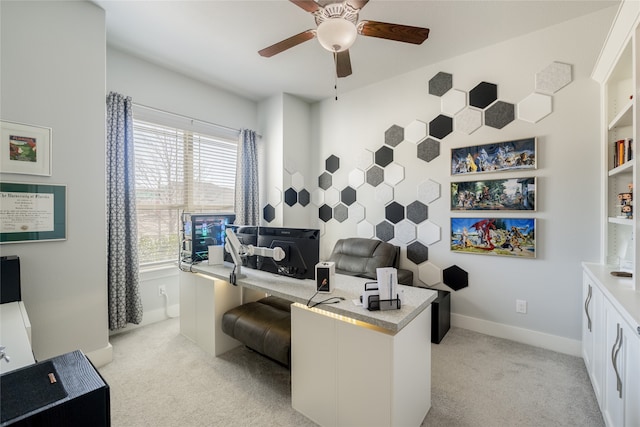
(301, 247)
(202, 231)
(247, 235)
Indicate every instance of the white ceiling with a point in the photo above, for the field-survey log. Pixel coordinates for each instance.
(217, 41)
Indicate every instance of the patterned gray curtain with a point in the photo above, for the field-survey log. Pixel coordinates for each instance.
(246, 200)
(125, 305)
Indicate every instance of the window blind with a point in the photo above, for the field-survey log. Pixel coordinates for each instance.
(178, 170)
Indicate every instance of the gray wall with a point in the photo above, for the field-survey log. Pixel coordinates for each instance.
(53, 75)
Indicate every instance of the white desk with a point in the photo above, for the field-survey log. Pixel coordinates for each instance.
(349, 366)
(15, 335)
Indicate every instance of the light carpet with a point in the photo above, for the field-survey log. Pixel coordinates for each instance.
(160, 378)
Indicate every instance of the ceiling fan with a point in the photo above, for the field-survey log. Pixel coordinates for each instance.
(337, 28)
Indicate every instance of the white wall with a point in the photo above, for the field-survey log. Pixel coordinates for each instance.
(53, 74)
(568, 183)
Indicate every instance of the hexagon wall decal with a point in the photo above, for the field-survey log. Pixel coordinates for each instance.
(290, 196)
(428, 191)
(483, 95)
(553, 78)
(325, 213)
(331, 196)
(393, 174)
(384, 193)
(405, 232)
(429, 274)
(394, 212)
(534, 107)
(428, 232)
(297, 181)
(340, 212)
(384, 156)
(455, 277)
(394, 135)
(440, 83)
(441, 126)
(332, 163)
(290, 165)
(417, 253)
(348, 196)
(304, 197)
(375, 175)
(325, 180)
(365, 229)
(275, 196)
(499, 114)
(356, 178)
(317, 197)
(428, 149)
(269, 213)
(417, 212)
(356, 212)
(364, 159)
(415, 132)
(453, 102)
(384, 231)
(469, 120)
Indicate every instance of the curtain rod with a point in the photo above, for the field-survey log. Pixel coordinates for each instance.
(226, 128)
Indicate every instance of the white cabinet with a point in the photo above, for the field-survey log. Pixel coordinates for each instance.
(593, 333)
(611, 345)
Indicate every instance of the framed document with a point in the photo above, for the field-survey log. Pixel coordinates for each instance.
(32, 212)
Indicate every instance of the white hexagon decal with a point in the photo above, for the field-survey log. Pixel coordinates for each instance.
(356, 212)
(429, 273)
(453, 101)
(365, 229)
(415, 132)
(297, 181)
(364, 159)
(356, 178)
(534, 107)
(384, 193)
(468, 121)
(275, 196)
(428, 232)
(331, 196)
(405, 232)
(428, 191)
(553, 78)
(290, 165)
(317, 197)
(393, 174)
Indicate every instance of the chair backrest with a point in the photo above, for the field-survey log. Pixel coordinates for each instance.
(361, 257)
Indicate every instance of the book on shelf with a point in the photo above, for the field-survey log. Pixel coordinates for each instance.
(623, 151)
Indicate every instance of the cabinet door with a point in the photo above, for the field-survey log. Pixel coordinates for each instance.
(622, 371)
(593, 334)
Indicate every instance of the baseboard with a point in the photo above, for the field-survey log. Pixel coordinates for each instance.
(525, 336)
(152, 316)
(101, 356)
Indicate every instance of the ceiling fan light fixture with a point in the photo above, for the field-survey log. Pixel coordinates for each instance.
(336, 34)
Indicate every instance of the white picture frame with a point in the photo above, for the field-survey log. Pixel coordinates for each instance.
(25, 149)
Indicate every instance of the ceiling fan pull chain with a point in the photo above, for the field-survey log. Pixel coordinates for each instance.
(335, 76)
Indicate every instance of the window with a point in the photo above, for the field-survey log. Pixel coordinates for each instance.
(179, 167)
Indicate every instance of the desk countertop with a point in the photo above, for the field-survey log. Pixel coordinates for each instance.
(415, 300)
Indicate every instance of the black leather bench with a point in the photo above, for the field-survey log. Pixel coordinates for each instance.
(263, 326)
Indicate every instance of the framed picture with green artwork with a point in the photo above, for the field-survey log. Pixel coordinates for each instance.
(25, 149)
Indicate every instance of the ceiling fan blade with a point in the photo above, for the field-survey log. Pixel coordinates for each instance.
(308, 5)
(285, 44)
(357, 4)
(397, 32)
(343, 63)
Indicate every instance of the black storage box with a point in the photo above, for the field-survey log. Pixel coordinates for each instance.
(440, 316)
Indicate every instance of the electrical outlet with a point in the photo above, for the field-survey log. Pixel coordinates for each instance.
(162, 290)
(521, 306)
